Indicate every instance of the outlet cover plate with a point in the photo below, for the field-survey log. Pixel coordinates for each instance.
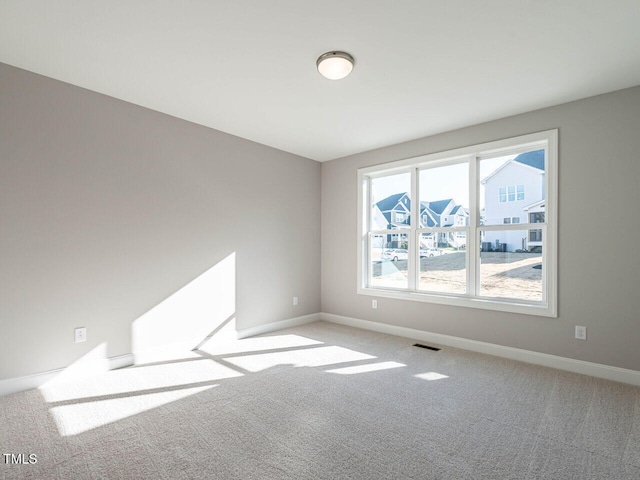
(80, 334)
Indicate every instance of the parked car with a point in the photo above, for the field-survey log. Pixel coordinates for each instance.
(395, 254)
(430, 252)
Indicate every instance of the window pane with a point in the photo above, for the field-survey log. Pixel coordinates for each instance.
(536, 217)
(444, 196)
(389, 260)
(391, 202)
(511, 265)
(443, 270)
(510, 186)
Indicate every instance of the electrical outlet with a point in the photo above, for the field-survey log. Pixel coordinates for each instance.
(374, 303)
(581, 332)
(81, 334)
(295, 300)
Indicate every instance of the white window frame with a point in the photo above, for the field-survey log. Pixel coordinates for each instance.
(547, 140)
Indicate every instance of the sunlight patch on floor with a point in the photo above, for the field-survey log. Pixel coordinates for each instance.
(430, 376)
(225, 343)
(80, 417)
(164, 355)
(137, 379)
(310, 357)
(370, 367)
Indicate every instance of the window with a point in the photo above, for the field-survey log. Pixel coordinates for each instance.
(469, 246)
(511, 194)
(536, 217)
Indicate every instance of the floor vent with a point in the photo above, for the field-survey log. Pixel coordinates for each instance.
(435, 349)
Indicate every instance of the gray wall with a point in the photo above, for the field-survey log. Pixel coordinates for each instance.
(107, 209)
(599, 236)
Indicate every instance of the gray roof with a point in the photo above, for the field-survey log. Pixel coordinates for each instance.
(433, 210)
(439, 205)
(391, 201)
(386, 205)
(534, 159)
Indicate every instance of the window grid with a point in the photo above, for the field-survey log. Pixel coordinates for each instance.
(473, 232)
(511, 193)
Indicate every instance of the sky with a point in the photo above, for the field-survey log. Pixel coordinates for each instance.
(438, 183)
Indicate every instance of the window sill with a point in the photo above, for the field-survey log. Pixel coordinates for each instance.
(511, 306)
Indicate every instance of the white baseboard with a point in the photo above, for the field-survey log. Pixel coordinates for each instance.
(562, 363)
(279, 325)
(19, 384)
(120, 361)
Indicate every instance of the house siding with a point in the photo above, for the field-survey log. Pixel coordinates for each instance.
(512, 174)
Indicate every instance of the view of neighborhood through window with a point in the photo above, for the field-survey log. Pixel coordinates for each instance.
(511, 274)
(444, 218)
(508, 220)
(509, 258)
(431, 253)
(443, 272)
(390, 215)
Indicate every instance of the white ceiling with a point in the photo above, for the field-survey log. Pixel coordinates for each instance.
(247, 67)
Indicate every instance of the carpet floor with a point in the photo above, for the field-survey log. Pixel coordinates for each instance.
(324, 401)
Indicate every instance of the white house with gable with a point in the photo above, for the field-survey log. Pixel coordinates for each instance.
(394, 213)
(513, 193)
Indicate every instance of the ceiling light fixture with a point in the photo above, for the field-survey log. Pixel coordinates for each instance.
(335, 65)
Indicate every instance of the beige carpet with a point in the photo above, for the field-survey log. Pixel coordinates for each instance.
(324, 401)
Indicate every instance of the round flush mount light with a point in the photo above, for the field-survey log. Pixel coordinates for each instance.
(335, 65)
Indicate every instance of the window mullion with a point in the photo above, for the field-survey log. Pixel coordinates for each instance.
(368, 270)
(473, 255)
(369, 206)
(545, 261)
(412, 264)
